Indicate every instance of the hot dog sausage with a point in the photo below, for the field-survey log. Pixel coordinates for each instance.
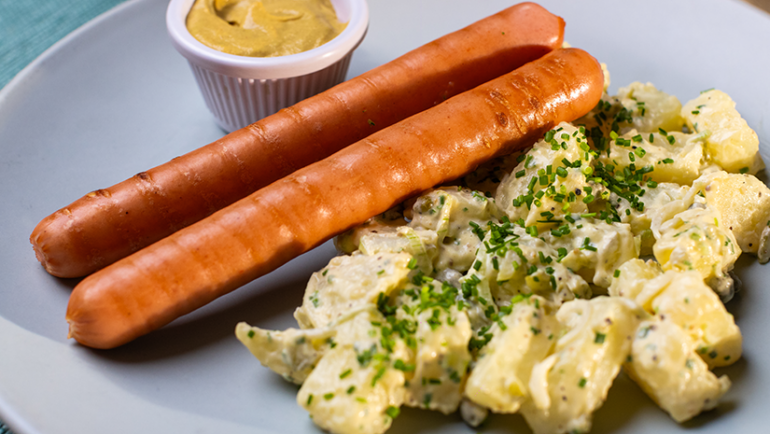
(257, 234)
(111, 223)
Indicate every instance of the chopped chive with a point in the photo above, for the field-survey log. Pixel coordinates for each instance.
(529, 160)
(401, 366)
(599, 338)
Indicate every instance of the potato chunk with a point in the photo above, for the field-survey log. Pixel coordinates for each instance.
(653, 108)
(632, 276)
(685, 300)
(744, 203)
(594, 248)
(451, 213)
(349, 282)
(569, 385)
(694, 240)
(290, 353)
(689, 303)
(664, 363)
(731, 143)
(500, 379)
(674, 157)
(353, 389)
(441, 359)
(541, 189)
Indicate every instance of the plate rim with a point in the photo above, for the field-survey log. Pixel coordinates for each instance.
(22, 75)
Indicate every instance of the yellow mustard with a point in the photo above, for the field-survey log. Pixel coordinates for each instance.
(263, 28)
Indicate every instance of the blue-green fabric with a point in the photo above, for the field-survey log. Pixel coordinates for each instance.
(29, 27)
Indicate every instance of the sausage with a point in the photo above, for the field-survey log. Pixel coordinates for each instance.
(257, 234)
(108, 224)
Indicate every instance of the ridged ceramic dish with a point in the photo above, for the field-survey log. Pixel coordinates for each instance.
(240, 90)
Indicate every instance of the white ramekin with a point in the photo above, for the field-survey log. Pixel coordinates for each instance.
(240, 90)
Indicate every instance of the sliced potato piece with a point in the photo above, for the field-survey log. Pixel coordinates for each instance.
(569, 385)
(350, 282)
(664, 363)
(743, 202)
(731, 143)
(290, 353)
(500, 379)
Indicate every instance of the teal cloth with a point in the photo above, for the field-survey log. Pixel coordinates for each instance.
(27, 28)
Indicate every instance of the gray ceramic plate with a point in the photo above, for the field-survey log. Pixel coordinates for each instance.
(114, 98)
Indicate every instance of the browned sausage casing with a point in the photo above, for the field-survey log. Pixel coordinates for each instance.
(111, 223)
(259, 233)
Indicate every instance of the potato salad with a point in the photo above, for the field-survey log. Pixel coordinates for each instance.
(527, 286)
